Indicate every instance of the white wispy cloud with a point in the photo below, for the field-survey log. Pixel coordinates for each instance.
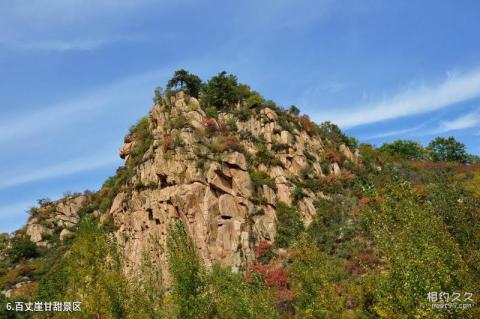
(13, 209)
(13, 216)
(62, 45)
(393, 133)
(70, 167)
(66, 25)
(425, 98)
(112, 97)
(460, 123)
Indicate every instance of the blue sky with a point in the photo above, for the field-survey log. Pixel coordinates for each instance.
(76, 74)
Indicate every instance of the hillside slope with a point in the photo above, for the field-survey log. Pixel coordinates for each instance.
(229, 206)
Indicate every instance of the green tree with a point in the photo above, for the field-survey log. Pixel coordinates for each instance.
(230, 297)
(3, 241)
(422, 255)
(404, 148)
(447, 149)
(332, 132)
(92, 273)
(314, 277)
(185, 81)
(186, 271)
(222, 91)
(158, 94)
(294, 110)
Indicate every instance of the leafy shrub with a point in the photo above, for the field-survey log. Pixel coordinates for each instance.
(266, 157)
(254, 100)
(332, 132)
(263, 252)
(232, 124)
(279, 147)
(289, 224)
(211, 111)
(304, 123)
(274, 275)
(143, 140)
(243, 113)
(309, 156)
(103, 199)
(334, 156)
(285, 120)
(313, 184)
(459, 211)
(297, 194)
(260, 178)
(325, 166)
(178, 122)
(22, 248)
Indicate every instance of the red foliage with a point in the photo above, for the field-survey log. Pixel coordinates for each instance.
(307, 124)
(369, 258)
(347, 175)
(440, 165)
(338, 289)
(366, 200)
(222, 127)
(354, 267)
(330, 179)
(258, 268)
(334, 156)
(263, 248)
(25, 270)
(210, 122)
(168, 143)
(273, 275)
(230, 141)
(277, 278)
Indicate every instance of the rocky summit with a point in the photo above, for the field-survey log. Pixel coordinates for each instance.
(201, 173)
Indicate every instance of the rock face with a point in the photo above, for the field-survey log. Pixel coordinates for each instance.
(214, 200)
(55, 217)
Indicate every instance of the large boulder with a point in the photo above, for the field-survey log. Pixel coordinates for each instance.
(36, 232)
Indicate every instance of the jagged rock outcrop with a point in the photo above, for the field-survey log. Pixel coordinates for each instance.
(55, 217)
(199, 172)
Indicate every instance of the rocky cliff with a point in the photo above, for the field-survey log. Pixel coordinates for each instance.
(222, 177)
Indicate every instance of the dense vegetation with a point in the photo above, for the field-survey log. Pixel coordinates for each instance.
(398, 225)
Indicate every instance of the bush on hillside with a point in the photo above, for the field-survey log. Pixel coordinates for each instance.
(447, 149)
(22, 248)
(332, 132)
(404, 148)
(260, 178)
(289, 225)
